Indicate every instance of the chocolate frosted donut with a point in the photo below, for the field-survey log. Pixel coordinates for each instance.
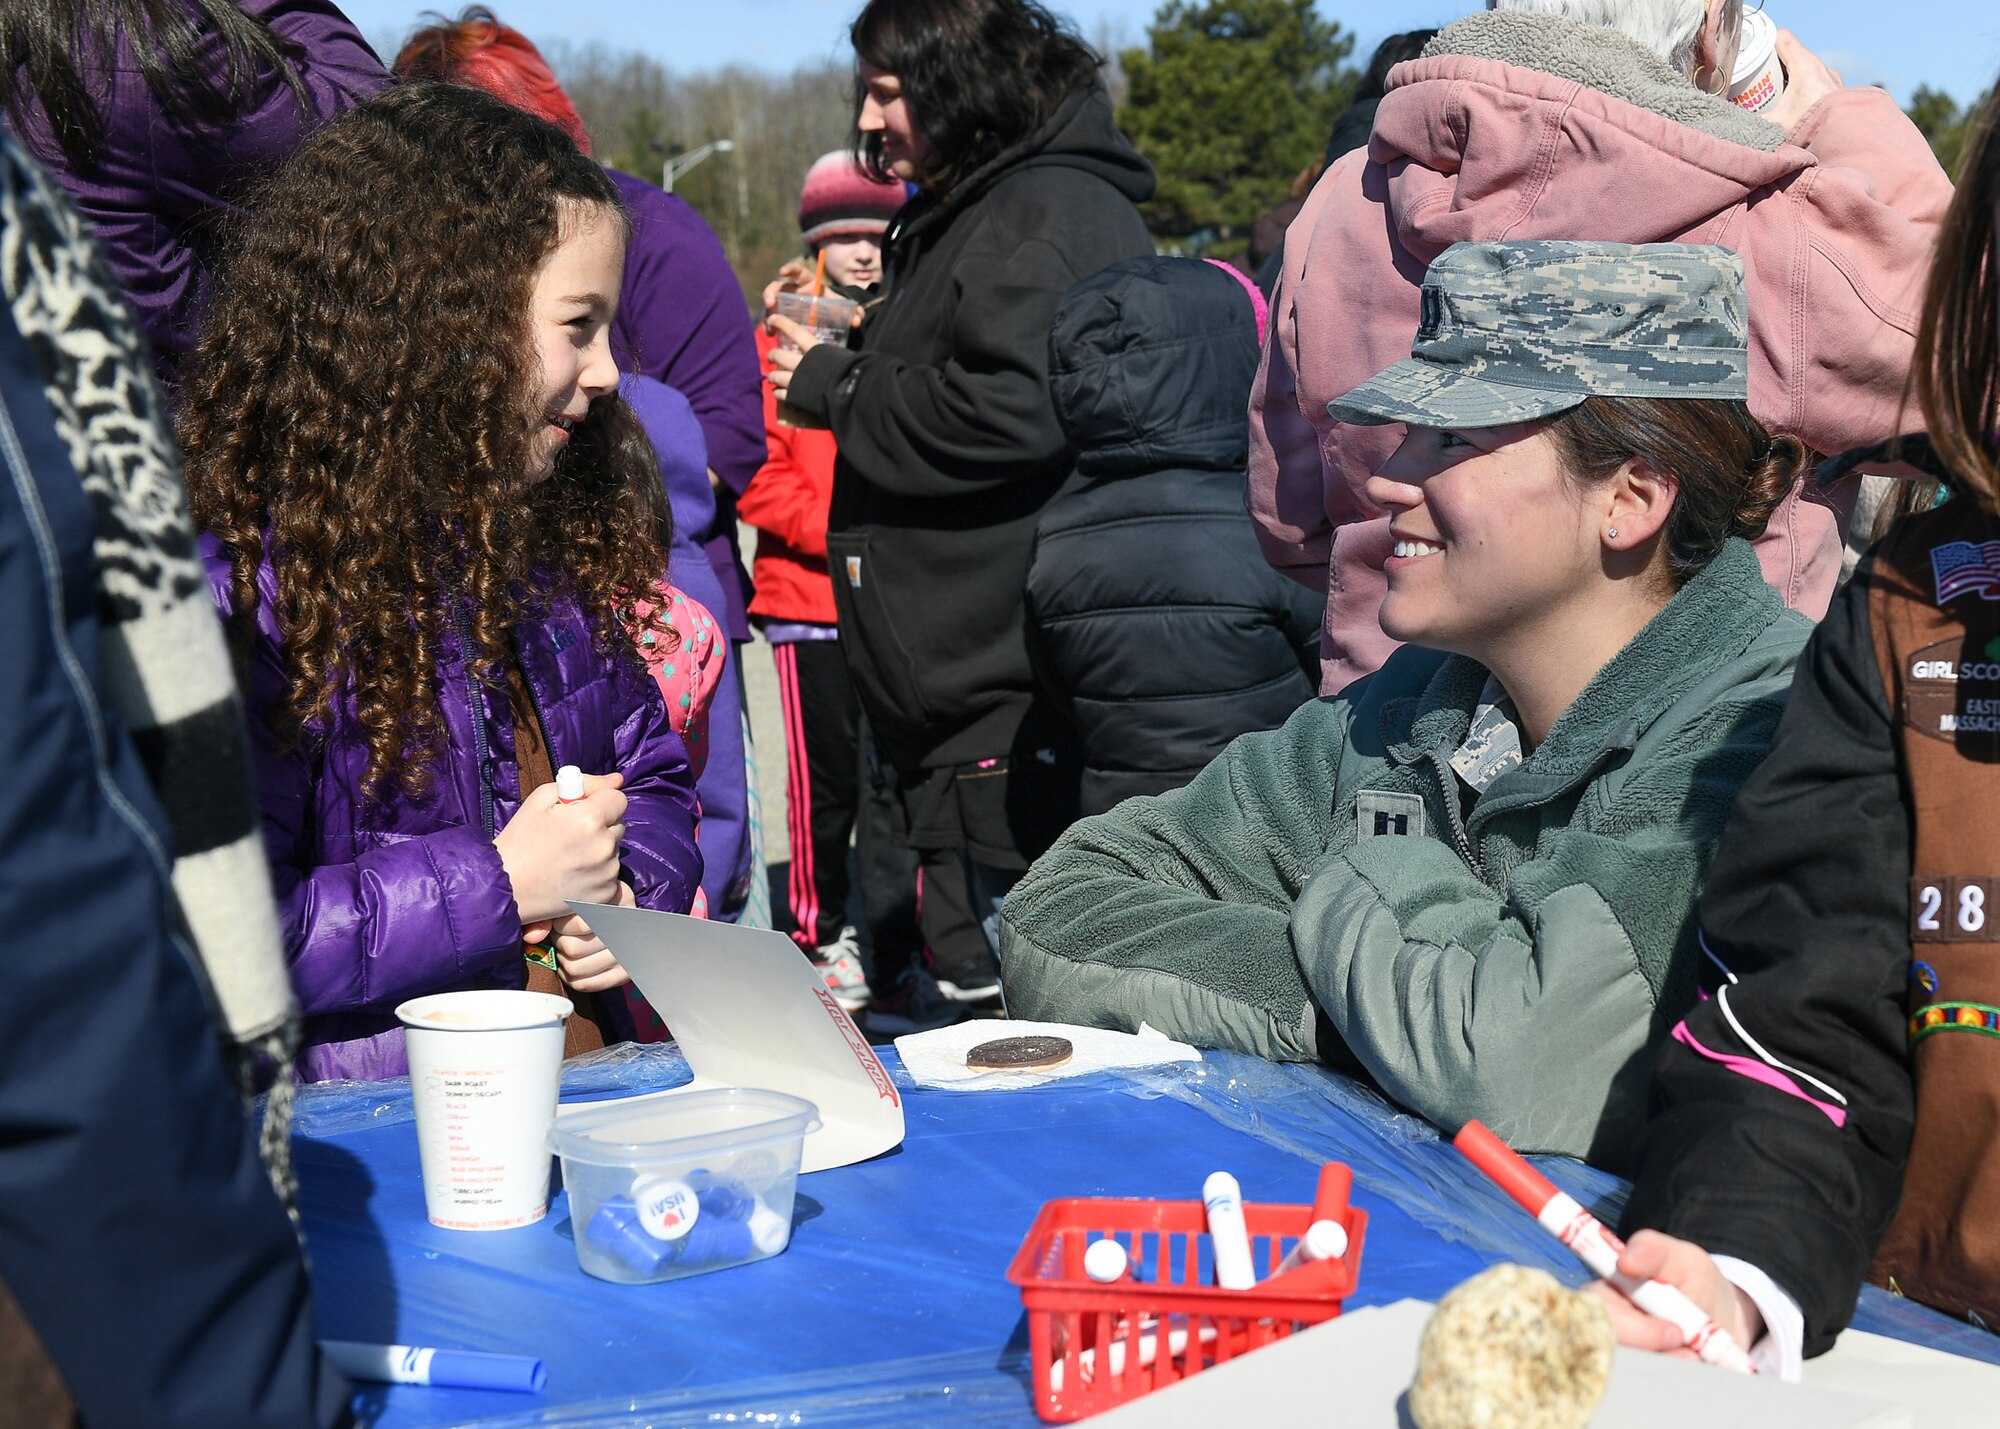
(1019, 1054)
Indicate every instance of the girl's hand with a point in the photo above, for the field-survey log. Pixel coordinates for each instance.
(794, 277)
(1687, 1267)
(554, 851)
(1807, 82)
(581, 957)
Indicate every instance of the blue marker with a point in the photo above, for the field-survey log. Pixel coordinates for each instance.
(441, 1369)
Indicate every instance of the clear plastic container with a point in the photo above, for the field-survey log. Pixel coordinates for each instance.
(682, 1185)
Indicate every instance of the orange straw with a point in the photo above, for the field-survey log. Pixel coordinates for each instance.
(819, 289)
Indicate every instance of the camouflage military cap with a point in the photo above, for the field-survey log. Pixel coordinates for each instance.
(1514, 332)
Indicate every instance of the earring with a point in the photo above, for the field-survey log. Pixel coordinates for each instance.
(1614, 533)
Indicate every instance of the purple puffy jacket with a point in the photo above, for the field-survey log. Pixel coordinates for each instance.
(157, 198)
(388, 901)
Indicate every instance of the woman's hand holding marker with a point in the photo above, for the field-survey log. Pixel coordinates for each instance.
(1662, 1301)
(1689, 1269)
(554, 851)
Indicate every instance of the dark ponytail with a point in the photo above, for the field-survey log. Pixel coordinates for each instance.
(1732, 474)
(1957, 369)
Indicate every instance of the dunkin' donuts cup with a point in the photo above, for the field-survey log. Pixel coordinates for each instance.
(831, 320)
(1759, 78)
(484, 1071)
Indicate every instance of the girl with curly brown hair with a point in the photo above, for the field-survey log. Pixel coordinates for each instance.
(428, 520)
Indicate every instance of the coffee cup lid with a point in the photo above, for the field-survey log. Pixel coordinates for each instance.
(1758, 44)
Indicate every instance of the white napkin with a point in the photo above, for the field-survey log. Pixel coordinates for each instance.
(937, 1058)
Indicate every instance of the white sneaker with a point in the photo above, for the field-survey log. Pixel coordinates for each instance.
(839, 965)
(969, 991)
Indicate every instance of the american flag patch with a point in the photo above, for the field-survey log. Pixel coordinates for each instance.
(1966, 568)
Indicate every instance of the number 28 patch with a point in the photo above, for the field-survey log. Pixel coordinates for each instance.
(1954, 910)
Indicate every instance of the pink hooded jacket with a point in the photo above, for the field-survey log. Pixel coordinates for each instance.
(1599, 139)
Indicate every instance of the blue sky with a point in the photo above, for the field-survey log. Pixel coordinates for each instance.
(1951, 44)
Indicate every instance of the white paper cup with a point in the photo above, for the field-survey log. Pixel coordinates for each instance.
(1759, 77)
(485, 1068)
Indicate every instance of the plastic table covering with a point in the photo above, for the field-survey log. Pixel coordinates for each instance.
(891, 1305)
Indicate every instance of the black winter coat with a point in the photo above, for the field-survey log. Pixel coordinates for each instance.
(1157, 622)
(949, 445)
(1806, 926)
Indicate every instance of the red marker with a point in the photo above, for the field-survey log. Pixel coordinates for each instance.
(1336, 1179)
(1585, 1235)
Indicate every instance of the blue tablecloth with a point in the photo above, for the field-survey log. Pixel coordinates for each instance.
(891, 1305)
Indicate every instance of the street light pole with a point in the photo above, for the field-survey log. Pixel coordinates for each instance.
(679, 164)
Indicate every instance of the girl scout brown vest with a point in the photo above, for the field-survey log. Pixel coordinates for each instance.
(1934, 602)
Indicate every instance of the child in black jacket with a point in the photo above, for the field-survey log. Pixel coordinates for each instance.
(1155, 619)
(1825, 1116)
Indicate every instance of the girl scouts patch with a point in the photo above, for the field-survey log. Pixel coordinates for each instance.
(1966, 568)
(1951, 690)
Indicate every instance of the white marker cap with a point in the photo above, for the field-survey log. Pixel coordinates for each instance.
(1105, 1261)
(1324, 1240)
(769, 1231)
(569, 783)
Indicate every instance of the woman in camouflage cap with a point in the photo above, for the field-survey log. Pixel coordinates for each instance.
(1471, 876)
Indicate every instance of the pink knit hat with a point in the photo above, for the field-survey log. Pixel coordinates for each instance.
(840, 197)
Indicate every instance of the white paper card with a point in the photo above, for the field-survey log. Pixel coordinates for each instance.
(748, 1010)
(1942, 1390)
(1354, 1371)
(937, 1058)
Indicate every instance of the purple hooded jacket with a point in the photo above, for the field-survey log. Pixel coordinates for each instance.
(682, 321)
(160, 188)
(670, 422)
(391, 901)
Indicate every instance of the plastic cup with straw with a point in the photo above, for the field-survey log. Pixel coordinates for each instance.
(831, 320)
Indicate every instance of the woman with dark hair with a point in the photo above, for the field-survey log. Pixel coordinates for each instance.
(158, 116)
(429, 521)
(1826, 1115)
(1481, 863)
(949, 443)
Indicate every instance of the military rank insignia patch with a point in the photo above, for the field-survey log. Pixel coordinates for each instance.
(1379, 813)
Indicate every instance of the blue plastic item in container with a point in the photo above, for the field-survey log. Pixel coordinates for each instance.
(674, 1186)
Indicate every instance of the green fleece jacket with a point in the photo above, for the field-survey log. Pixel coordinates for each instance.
(1513, 957)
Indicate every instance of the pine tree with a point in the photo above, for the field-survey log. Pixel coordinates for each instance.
(1938, 116)
(1230, 99)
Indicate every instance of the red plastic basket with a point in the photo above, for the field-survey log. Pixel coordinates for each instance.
(1093, 1346)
